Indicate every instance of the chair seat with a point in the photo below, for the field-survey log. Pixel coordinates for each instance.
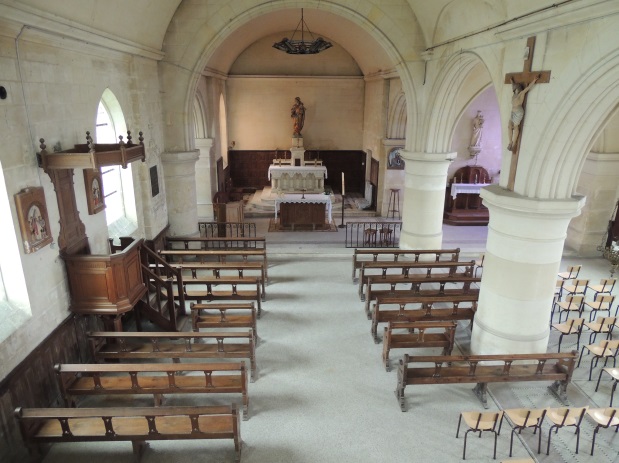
(603, 415)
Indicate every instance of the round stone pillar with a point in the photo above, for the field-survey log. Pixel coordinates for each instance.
(206, 182)
(523, 254)
(179, 173)
(424, 199)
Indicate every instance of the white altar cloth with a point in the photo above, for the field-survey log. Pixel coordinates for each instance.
(309, 198)
(303, 170)
(466, 188)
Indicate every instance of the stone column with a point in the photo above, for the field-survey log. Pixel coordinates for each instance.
(424, 199)
(206, 181)
(523, 255)
(179, 173)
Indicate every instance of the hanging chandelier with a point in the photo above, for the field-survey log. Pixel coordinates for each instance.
(302, 47)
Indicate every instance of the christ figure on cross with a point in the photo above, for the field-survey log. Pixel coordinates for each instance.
(515, 119)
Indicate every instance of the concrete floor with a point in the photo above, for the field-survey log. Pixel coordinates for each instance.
(322, 394)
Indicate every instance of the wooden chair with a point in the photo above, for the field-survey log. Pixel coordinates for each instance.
(479, 265)
(558, 291)
(605, 349)
(571, 304)
(601, 302)
(605, 287)
(601, 325)
(576, 286)
(614, 374)
(522, 418)
(564, 417)
(604, 418)
(480, 422)
(571, 273)
(572, 326)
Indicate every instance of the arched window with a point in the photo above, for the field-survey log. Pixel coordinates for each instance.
(120, 210)
(14, 301)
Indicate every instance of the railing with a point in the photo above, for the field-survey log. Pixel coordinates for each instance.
(373, 234)
(227, 229)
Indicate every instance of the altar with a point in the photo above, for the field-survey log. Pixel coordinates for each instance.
(308, 209)
(289, 179)
(463, 205)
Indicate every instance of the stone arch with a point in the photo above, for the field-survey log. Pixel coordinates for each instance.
(188, 51)
(396, 128)
(199, 117)
(446, 102)
(582, 112)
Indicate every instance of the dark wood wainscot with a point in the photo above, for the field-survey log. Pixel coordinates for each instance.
(106, 285)
(304, 214)
(466, 208)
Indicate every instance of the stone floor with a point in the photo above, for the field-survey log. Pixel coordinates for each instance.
(322, 394)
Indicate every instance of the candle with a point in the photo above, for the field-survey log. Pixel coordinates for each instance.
(343, 188)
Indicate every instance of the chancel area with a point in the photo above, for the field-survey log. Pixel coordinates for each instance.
(186, 186)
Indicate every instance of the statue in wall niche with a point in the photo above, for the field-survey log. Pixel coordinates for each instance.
(513, 128)
(476, 137)
(297, 113)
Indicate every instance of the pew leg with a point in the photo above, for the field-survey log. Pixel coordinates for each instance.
(138, 449)
(158, 399)
(481, 391)
(399, 393)
(559, 390)
(245, 407)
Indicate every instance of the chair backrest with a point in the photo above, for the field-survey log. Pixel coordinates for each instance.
(579, 282)
(608, 284)
(575, 414)
(534, 416)
(487, 421)
(573, 270)
(612, 345)
(575, 324)
(605, 322)
(575, 299)
(604, 298)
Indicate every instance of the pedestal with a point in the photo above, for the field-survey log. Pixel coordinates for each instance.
(297, 152)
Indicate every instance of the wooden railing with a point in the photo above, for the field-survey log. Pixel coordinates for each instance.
(227, 229)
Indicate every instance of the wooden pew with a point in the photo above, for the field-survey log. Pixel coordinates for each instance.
(217, 255)
(223, 289)
(418, 335)
(152, 378)
(415, 255)
(217, 316)
(484, 369)
(406, 269)
(134, 424)
(174, 345)
(205, 242)
(399, 286)
(218, 269)
(423, 308)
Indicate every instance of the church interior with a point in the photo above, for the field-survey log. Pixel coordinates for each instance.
(152, 146)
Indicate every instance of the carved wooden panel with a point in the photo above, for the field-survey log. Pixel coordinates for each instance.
(351, 163)
(249, 169)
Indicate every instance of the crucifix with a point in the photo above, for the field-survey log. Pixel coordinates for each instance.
(521, 82)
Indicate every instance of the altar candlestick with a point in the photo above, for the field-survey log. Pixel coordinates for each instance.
(343, 187)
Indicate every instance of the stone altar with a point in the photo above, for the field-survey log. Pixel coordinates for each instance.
(290, 179)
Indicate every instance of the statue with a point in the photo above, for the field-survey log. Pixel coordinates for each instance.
(297, 113)
(478, 125)
(513, 127)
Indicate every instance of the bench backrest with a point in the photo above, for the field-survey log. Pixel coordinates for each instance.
(172, 243)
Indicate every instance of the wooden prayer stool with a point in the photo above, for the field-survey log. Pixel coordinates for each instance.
(386, 236)
(369, 237)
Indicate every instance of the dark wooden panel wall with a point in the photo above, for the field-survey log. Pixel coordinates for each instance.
(249, 169)
(33, 382)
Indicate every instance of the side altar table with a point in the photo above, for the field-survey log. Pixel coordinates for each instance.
(308, 209)
(289, 179)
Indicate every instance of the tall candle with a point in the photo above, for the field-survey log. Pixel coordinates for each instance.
(343, 188)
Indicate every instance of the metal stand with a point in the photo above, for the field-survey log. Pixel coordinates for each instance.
(343, 204)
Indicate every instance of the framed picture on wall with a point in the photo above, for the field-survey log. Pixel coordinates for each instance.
(94, 191)
(394, 159)
(33, 219)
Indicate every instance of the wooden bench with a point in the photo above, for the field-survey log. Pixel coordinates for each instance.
(210, 242)
(152, 378)
(418, 335)
(217, 255)
(217, 316)
(418, 269)
(484, 369)
(174, 345)
(218, 269)
(372, 255)
(134, 424)
(222, 289)
(399, 286)
(423, 308)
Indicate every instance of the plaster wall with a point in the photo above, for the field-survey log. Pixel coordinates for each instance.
(53, 93)
(258, 112)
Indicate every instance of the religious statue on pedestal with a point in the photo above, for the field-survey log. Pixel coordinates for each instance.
(478, 125)
(297, 113)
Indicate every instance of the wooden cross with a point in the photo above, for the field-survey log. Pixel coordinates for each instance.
(526, 77)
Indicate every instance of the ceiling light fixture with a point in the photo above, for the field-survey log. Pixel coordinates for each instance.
(302, 47)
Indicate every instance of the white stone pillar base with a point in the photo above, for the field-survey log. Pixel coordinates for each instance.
(424, 199)
(179, 173)
(523, 255)
(206, 181)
